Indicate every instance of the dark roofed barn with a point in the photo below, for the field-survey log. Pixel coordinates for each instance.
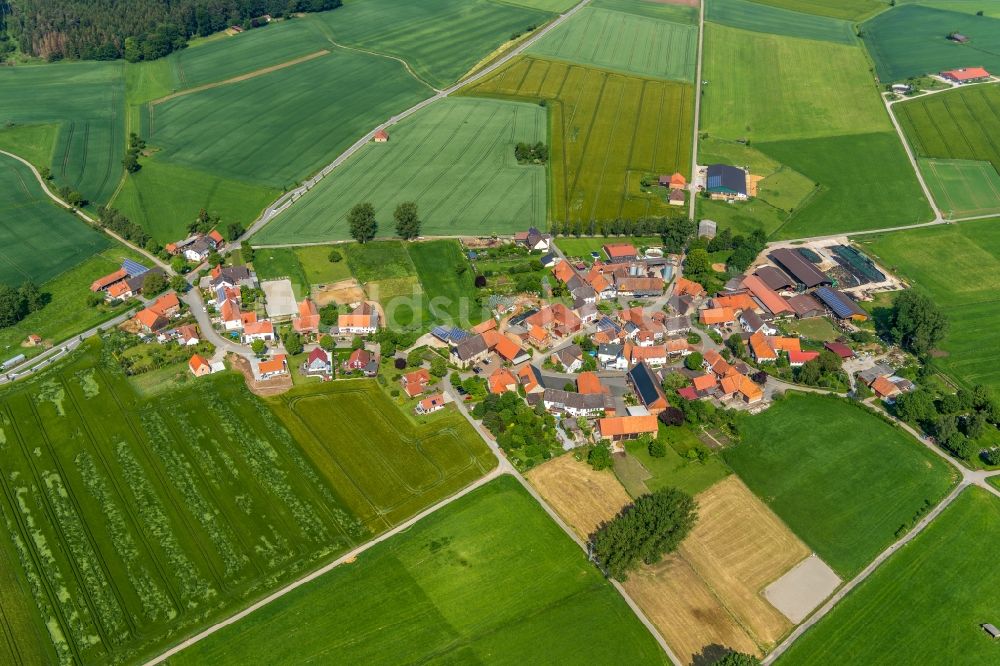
(798, 268)
(842, 305)
(774, 278)
(647, 387)
(726, 180)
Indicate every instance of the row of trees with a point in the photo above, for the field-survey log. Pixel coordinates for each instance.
(363, 226)
(135, 146)
(113, 220)
(133, 29)
(674, 232)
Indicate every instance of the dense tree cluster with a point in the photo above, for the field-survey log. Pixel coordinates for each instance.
(132, 29)
(525, 433)
(16, 304)
(645, 531)
(112, 220)
(744, 248)
(916, 323)
(956, 420)
(527, 153)
(674, 232)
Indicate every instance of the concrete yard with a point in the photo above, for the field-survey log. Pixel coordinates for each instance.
(803, 588)
(280, 298)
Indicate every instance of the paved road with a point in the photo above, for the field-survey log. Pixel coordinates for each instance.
(323, 570)
(222, 344)
(289, 198)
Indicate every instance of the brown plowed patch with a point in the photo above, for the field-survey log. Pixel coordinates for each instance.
(275, 386)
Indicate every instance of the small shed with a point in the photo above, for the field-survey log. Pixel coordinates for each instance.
(991, 630)
(958, 37)
(381, 136)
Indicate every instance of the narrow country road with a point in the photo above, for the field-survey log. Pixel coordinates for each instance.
(287, 199)
(222, 344)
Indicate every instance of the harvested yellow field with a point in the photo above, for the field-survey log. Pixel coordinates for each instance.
(739, 546)
(582, 497)
(686, 612)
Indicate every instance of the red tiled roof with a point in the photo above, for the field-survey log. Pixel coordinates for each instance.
(685, 286)
(966, 73)
(197, 362)
(613, 426)
(563, 271)
(276, 364)
(259, 328)
(704, 382)
(589, 382)
(712, 316)
(618, 250)
(501, 381)
(770, 298)
(840, 349)
(796, 357)
(111, 278)
(165, 302)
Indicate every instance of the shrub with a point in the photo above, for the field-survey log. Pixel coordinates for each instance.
(657, 449)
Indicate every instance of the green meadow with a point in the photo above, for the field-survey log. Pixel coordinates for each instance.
(962, 188)
(824, 465)
(607, 132)
(925, 604)
(135, 521)
(848, 10)
(616, 39)
(967, 290)
(911, 40)
(38, 239)
(454, 159)
(759, 17)
(83, 105)
(452, 589)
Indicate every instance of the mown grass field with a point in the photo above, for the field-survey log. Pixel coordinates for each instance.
(911, 40)
(440, 39)
(967, 6)
(759, 17)
(866, 182)
(958, 124)
(454, 159)
(304, 124)
(670, 471)
(448, 293)
(925, 604)
(281, 262)
(132, 521)
(165, 198)
(605, 128)
(616, 39)
(767, 87)
(965, 287)
(962, 188)
(850, 10)
(38, 239)
(846, 484)
(85, 100)
(453, 591)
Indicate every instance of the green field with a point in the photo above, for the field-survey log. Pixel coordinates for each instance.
(850, 10)
(607, 131)
(544, 5)
(768, 87)
(134, 521)
(962, 188)
(281, 262)
(455, 159)
(441, 40)
(759, 17)
(967, 6)
(624, 42)
(925, 604)
(451, 589)
(222, 130)
(315, 261)
(672, 470)
(911, 40)
(164, 198)
(844, 480)
(449, 295)
(866, 182)
(966, 287)
(959, 124)
(38, 239)
(86, 101)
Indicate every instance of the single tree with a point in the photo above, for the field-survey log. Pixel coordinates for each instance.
(178, 284)
(155, 283)
(693, 361)
(12, 306)
(328, 314)
(439, 366)
(600, 457)
(293, 343)
(399, 363)
(359, 343)
(698, 262)
(407, 220)
(131, 162)
(361, 222)
(738, 659)
(179, 264)
(657, 449)
(335, 256)
(258, 347)
(328, 343)
(34, 299)
(233, 231)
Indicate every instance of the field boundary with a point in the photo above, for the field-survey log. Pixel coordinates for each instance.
(236, 79)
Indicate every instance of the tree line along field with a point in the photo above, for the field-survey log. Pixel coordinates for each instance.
(131, 521)
(847, 484)
(911, 40)
(811, 106)
(766, 18)
(83, 101)
(925, 604)
(38, 239)
(967, 291)
(607, 131)
(617, 39)
(453, 590)
(455, 160)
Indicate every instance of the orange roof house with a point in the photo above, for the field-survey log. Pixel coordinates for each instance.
(678, 180)
(716, 316)
(760, 348)
(259, 329)
(504, 346)
(167, 304)
(740, 385)
(415, 382)
(273, 367)
(432, 404)
(735, 301)
(216, 237)
(150, 320)
(537, 335)
(119, 290)
(966, 74)
(704, 382)
(199, 366)
(530, 378)
(589, 382)
(563, 271)
(502, 381)
(620, 252)
(884, 388)
(626, 427)
(687, 287)
(247, 318)
(308, 319)
(103, 283)
(797, 358)
(784, 344)
(487, 325)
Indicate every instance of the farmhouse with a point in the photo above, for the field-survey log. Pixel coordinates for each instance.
(769, 298)
(966, 75)
(685, 287)
(676, 197)
(797, 358)
(804, 273)
(557, 318)
(362, 320)
(414, 383)
(318, 362)
(717, 316)
(530, 378)
(726, 182)
(430, 405)
(620, 253)
(577, 404)
(739, 386)
(589, 382)
(470, 351)
(154, 317)
(571, 357)
(199, 366)
(676, 180)
(506, 348)
(618, 428)
(751, 322)
(842, 305)
(639, 287)
(258, 330)
(103, 283)
(533, 239)
(274, 367)
(232, 277)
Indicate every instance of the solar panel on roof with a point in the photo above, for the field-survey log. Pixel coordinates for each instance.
(133, 268)
(841, 305)
(645, 383)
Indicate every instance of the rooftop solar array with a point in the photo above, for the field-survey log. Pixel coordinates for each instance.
(133, 268)
(446, 334)
(840, 303)
(645, 383)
